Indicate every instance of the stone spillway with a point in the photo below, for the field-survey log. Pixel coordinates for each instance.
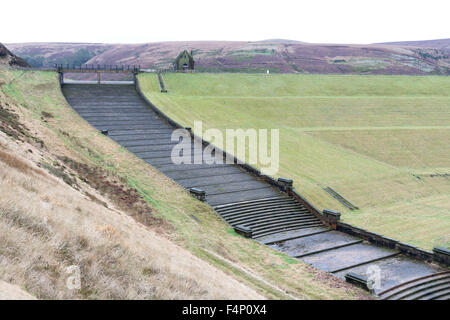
(130, 122)
(242, 198)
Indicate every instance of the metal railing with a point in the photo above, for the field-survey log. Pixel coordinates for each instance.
(97, 68)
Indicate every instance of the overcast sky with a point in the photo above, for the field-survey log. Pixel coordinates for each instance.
(132, 21)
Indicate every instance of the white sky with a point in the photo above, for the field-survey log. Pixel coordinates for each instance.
(133, 21)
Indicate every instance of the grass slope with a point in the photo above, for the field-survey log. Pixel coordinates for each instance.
(374, 139)
(150, 252)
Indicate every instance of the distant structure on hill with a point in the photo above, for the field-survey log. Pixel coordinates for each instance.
(184, 61)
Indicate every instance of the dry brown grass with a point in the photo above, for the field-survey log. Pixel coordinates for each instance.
(46, 226)
(14, 162)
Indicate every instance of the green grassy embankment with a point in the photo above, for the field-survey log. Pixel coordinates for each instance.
(377, 140)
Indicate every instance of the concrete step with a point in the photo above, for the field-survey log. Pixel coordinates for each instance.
(232, 187)
(124, 127)
(138, 137)
(249, 211)
(183, 167)
(214, 200)
(158, 161)
(124, 123)
(263, 203)
(430, 292)
(148, 148)
(106, 113)
(197, 182)
(109, 109)
(95, 117)
(408, 290)
(287, 219)
(283, 229)
(256, 216)
(203, 172)
(289, 235)
(281, 224)
(268, 215)
(146, 142)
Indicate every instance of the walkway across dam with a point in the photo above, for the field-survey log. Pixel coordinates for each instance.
(244, 199)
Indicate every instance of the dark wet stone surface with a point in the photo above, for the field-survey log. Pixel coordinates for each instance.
(395, 270)
(314, 243)
(347, 257)
(292, 234)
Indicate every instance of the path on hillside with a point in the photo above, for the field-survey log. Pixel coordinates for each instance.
(239, 197)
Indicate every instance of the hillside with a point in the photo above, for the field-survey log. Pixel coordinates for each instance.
(73, 197)
(7, 58)
(437, 44)
(46, 54)
(380, 141)
(283, 56)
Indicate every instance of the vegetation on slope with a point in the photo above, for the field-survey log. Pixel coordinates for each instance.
(43, 55)
(126, 225)
(380, 141)
(79, 57)
(7, 58)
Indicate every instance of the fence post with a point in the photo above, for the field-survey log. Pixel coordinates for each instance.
(61, 77)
